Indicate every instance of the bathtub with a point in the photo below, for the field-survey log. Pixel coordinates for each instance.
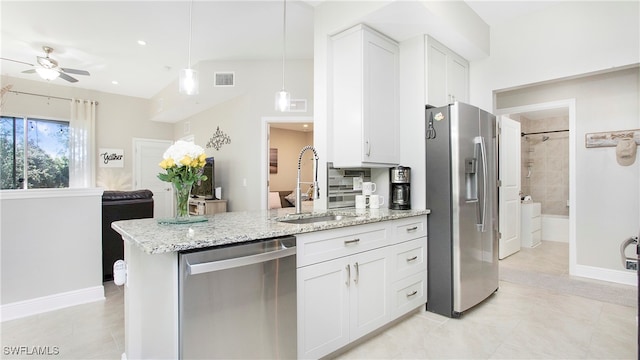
(555, 227)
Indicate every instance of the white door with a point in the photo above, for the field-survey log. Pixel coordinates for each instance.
(148, 154)
(369, 292)
(323, 307)
(509, 193)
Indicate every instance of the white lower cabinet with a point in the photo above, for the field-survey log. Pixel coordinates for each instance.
(351, 294)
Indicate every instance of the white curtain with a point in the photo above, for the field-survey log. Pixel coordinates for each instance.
(82, 173)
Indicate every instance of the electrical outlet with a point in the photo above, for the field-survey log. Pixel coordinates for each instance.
(631, 265)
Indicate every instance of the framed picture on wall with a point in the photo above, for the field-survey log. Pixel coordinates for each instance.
(273, 161)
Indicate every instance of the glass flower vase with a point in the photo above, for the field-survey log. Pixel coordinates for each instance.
(182, 191)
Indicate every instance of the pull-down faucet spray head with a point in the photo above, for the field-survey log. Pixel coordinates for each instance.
(315, 182)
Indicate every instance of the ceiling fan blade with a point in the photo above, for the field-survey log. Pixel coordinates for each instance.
(67, 77)
(30, 71)
(75, 71)
(17, 61)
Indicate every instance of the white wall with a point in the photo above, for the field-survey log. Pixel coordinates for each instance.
(51, 254)
(238, 164)
(568, 39)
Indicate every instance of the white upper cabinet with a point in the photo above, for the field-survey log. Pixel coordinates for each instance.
(364, 99)
(447, 75)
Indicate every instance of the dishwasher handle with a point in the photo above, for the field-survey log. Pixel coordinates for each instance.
(206, 267)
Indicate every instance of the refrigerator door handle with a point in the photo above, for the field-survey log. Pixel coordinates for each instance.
(483, 207)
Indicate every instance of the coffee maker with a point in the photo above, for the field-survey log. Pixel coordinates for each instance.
(400, 188)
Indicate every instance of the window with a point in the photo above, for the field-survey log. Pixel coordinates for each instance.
(46, 153)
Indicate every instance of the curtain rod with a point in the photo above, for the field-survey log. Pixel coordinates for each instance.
(542, 132)
(32, 94)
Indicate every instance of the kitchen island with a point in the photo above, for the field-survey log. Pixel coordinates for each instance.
(152, 251)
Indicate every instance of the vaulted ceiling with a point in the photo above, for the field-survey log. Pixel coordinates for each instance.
(103, 37)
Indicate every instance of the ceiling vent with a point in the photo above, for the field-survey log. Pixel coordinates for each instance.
(225, 79)
(298, 105)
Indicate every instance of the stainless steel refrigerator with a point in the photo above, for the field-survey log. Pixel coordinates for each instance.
(461, 167)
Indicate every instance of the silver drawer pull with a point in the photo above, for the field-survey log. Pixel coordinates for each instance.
(412, 228)
(354, 241)
(412, 258)
(413, 293)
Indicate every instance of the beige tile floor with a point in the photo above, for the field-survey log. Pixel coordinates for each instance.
(520, 321)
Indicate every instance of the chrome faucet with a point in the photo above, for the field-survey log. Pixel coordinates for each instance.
(298, 182)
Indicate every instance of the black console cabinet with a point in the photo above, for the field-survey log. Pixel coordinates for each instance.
(120, 205)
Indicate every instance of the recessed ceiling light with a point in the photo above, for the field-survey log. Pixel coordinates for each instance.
(142, 42)
(114, 82)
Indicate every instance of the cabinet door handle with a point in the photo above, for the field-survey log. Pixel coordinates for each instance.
(412, 258)
(348, 267)
(412, 293)
(355, 281)
(412, 228)
(368, 147)
(354, 241)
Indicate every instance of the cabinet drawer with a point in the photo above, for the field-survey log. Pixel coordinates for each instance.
(536, 223)
(410, 228)
(408, 294)
(409, 258)
(331, 244)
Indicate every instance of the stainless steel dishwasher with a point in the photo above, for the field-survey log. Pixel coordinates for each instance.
(239, 302)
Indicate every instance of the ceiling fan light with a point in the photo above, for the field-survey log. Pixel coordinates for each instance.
(188, 82)
(283, 100)
(47, 74)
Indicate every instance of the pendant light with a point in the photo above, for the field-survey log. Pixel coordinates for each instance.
(283, 99)
(188, 79)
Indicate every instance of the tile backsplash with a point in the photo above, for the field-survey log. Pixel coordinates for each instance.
(341, 182)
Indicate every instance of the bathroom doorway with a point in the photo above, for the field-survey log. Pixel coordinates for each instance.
(548, 170)
(282, 139)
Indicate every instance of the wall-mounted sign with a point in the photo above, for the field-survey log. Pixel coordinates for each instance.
(110, 158)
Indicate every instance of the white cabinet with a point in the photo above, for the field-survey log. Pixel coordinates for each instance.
(531, 225)
(364, 99)
(354, 280)
(447, 75)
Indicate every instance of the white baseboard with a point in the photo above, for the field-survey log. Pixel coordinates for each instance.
(616, 276)
(43, 304)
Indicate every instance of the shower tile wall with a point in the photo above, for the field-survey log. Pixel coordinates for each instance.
(545, 164)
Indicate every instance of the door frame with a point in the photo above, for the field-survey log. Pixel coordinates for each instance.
(266, 121)
(571, 105)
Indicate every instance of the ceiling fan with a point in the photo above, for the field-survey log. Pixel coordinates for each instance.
(49, 69)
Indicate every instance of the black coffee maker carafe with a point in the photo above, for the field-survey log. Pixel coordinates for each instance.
(400, 188)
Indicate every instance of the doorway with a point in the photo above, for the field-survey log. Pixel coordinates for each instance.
(282, 139)
(145, 170)
(539, 139)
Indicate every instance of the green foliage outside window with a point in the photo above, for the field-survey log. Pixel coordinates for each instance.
(47, 153)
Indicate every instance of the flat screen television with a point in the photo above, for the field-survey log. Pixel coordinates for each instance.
(206, 189)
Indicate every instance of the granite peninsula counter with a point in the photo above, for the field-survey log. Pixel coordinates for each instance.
(237, 227)
(152, 254)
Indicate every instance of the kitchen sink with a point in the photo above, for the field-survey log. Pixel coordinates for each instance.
(316, 218)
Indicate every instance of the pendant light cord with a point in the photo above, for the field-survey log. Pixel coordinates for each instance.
(284, 39)
(190, 31)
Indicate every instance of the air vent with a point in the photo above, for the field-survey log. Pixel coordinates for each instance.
(225, 79)
(298, 105)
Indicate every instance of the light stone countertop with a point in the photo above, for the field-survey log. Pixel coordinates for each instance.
(237, 227)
